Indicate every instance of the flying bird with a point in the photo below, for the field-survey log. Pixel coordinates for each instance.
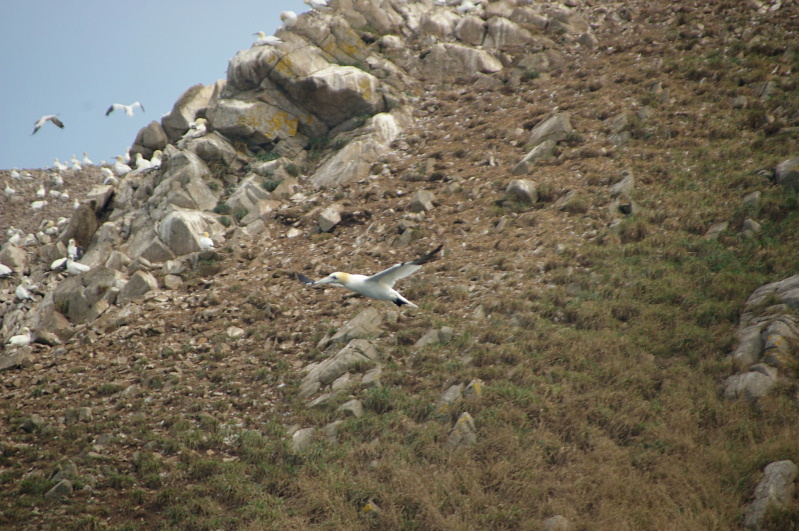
(47, 118)
(266, 40)
(379, 286)
(127, 108)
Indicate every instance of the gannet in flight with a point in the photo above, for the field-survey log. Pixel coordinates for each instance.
(264, 39)
(379, 286)
(47, 118)
(127, 108)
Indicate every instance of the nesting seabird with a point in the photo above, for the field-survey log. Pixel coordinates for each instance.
(5, 271)
(120, 167)
(289, 18)
(142, 164)
(76, 268)
(8, 190)
(59, 166)
(56, 265)
(23, 290)
(38, 205)
(20, 340)
(47, 118)
(127, 108)
(86, 160)
(74, 251)
(76, 165)
(317, 4)
(206, 242)
(155, 159)
(266, 40)
(379, 286)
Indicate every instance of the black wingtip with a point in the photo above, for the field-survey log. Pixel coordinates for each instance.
(305, 280)
(426, 258)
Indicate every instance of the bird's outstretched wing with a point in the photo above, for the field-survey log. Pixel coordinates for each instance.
(305, 280)
(396, 272)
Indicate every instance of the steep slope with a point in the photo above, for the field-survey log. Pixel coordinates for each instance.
(597, 320)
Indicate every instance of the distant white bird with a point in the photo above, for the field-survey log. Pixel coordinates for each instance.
(38, 205)
(55, 194)
(127, 108)
(206, 242)
(197, 128)
(14, 236)
(56, 180)
(76, 165)
(74, 251)
(15, 173)
(75, 268)
(120, 167)
(64, 196)
(316, 4)
(41, 192)
(127, 158)
(379, 286)
(266, 40)
(142, 164)
(23, 291)
(47, 118)
(8, 190)
(155, 160)
(75, 204)
(59, 166)
(21, 340)
(86, 160)
(28, 240)
(289, 18)
(61, 263)
(5, 271)
(113, 181)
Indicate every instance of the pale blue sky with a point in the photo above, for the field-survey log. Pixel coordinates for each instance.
(75, 58)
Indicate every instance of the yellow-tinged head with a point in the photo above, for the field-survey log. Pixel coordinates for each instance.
(336, 278)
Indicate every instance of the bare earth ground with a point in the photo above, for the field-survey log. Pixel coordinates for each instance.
(502, 259)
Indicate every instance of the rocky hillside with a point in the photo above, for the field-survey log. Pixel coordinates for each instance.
(608, 339)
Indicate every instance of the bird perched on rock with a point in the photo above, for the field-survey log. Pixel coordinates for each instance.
(74, 251)
(23, 291)
(197, 128)
(8, 190)
(38, 205)
(379, 286)
(15, 174)
(5, 271)
(266, 40)
(59, 166)
(317, 4)
(56, 180)
(76, 268)
(142, 164)
(41, 192)
(59, 264)
(127, 108)
(120, 167)
(76, 165)
(20, 340)
(155, 160)
(206, 242)
(289, 18)
(86, 160)
(47, 118)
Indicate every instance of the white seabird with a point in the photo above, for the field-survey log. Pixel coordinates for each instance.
(41, 192)
(142, 164)
(155, 159)
(38, 205)
(289, 18)
(266, 40)
(5, 271)
(316, 4)
(20, 340)
(127, 108)
(86, 160)
(120, 167)
(76, 268)
(61, 263)
(379, 286)
(8, 190)
(74, 251)
(23, 290)
(59, 166)
(47, 118)
(206, 242)
(76, 165)
(15, 173)
(56, 180)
